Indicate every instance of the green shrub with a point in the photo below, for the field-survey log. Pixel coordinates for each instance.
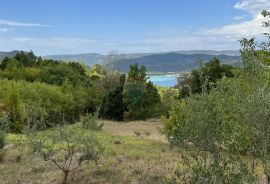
(4, 128)
(91, 122)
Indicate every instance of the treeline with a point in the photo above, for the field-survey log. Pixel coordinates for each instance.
(48, 92)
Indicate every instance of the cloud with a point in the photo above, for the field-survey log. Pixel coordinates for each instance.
(22, 24)
(64, 45)
(4, 29)
(240, 17)
(247, 28)
(253, 6)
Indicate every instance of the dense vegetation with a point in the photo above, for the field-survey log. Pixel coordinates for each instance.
(207, 74)
(232, 115)
(47, 92)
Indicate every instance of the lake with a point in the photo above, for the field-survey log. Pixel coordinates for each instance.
(168, 80)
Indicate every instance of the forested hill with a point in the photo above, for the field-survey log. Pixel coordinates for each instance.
(8, 54)
(154, 62)
(171, 62)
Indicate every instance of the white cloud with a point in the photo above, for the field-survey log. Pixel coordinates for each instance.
(23, 24)
(247, 28)
(64, 45)
(240, 17)
(4, 29)
(253, 6)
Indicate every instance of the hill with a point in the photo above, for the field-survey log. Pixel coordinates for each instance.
(8, 54)
(155, 62)
(171, 62)
(177, 61)
(87, 58)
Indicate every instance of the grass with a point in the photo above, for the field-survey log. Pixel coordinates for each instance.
(127, 159)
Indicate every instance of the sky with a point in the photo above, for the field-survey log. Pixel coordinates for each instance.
(127, 26)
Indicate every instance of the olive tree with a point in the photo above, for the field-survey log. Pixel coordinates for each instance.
(66, 147)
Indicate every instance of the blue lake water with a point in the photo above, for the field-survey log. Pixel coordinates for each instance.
(164, 80)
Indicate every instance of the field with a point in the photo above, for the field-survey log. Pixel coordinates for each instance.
(129, 157)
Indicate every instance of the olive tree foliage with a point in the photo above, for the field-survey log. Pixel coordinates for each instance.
(197, 125)
(67, 147)
(4, 128)
(256, 106)
(234, 115)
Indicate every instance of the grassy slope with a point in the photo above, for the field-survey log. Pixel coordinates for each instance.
(127, 159)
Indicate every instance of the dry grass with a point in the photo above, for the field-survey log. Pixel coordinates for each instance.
(127, 159)
(129, 129)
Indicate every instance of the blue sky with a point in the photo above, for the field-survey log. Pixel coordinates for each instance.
(79, 26)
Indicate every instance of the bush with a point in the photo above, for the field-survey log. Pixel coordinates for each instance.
(91, 122)
(35, 102)
(142, 100)
(4, 127)
(168, 96)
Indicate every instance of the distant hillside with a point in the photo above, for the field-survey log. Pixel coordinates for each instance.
(211, 52)
(88, 58)
(7, 54)
(154, 62)
(171, 62)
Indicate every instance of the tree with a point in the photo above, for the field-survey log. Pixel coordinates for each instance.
(27, 59)
(140, 96)
(234, 114)
(137, 73)
(213, 70)
(112, 106)
(66, 147)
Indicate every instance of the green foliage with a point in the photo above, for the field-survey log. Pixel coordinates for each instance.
(91, 122)
(15, 108)
(137, 74)
(142, 100)
(112, 106)
(168, 96)
(70, 93)
(34, 103)
(222, 170)
(67, 148)
(141, 97)
(19, 61)
(207, 74)
(58, 74)
(233, 115)
(4, 128)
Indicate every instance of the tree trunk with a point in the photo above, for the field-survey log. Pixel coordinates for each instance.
(65, 177)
